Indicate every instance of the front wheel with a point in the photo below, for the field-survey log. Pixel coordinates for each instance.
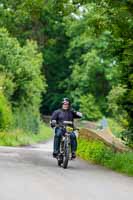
(66, 156)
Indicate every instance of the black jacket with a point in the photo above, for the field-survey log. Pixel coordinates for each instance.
(61, 115)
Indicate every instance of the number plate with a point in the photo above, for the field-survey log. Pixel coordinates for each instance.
(69, 129)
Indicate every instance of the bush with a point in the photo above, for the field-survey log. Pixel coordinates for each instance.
(23, 84)
(127, 136)
(122, 162)
(99, 153)
(6, 118)
(116, 127)
(115, 106)
(27, 119)
(93, 150)
(18, 137)
(22, 66)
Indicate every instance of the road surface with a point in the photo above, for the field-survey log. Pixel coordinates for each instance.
(30, 173)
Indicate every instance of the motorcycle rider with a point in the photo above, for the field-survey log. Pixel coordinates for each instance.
(66, 113)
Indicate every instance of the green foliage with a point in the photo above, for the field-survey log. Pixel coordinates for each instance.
(92, 54)
(114, 99)
(29, 120)
(42, 21)
(100, 53)
(127, 136)
(99, 153)
(128, 103)
(23, 83)
(18, 137)
(89, 108)
(116, 127)
(22, 65)
(86, 47)
(115, 105)
(6, 118)
(121, 162)
(93, 150)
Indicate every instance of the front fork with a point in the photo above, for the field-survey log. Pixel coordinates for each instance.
(66, 143)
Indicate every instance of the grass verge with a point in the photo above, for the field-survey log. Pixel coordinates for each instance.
(97, 152)
(20, 138)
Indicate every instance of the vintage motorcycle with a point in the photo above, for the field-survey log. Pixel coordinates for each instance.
(65, 145)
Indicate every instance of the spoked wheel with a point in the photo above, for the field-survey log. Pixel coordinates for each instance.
(66, 157)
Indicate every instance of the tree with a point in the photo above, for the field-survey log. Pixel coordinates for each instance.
(21, 67)
(92, 52)
(89, 107)
(42, 20)
(100, 53)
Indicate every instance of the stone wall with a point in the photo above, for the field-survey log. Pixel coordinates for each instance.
(104, 135)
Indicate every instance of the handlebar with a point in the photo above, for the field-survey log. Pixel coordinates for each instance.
(65, 123)
(68, 123)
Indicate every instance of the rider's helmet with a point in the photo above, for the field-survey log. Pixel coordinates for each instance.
(66, 100)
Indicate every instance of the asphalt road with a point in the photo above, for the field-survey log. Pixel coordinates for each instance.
(32, 174)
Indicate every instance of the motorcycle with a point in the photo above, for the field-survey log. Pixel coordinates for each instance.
(65, 145)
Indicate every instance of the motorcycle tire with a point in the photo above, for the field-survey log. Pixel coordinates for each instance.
(66, 157)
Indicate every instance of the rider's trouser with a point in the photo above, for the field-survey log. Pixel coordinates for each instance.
(57, 139)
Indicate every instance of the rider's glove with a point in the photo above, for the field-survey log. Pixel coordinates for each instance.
(79, 114)
(53, 123)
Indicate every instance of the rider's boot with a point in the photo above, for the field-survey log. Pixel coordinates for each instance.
(73, 155)
(55, 154)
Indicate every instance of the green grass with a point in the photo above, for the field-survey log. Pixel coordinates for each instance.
(97, 152)
(19, 138)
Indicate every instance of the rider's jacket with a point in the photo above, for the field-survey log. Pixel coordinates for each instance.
(61, 115)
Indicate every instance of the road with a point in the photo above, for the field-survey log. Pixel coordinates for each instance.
(30, 173)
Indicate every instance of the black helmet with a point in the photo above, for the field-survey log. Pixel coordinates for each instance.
(65, 100)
